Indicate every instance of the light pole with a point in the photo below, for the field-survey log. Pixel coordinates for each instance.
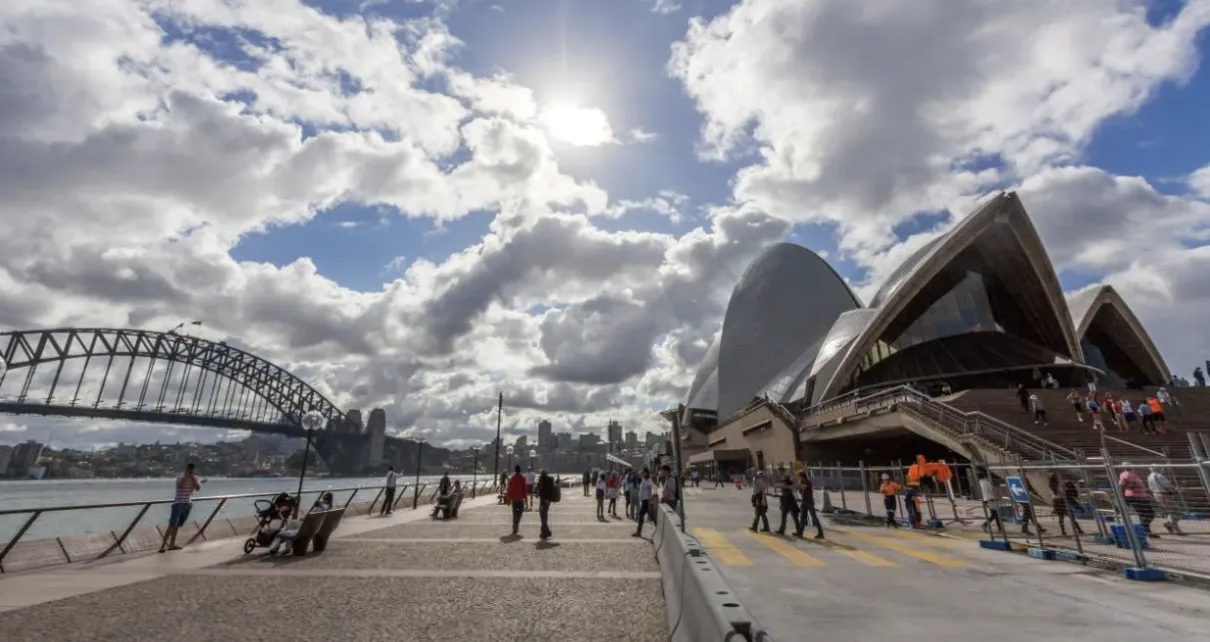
(416, 492)
(475, 471)
(499, 417)
(312, 421)
(181, 325)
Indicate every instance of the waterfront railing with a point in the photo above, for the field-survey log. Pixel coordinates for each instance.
(23, 553)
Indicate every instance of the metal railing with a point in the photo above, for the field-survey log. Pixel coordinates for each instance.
(974, 423)
(471, 489)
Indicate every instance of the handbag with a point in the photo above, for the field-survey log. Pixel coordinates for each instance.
(556, 495)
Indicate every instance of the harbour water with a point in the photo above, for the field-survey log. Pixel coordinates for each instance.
(71, 492)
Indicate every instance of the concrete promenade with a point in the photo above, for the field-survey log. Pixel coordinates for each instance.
(867, 583)
(398, 578)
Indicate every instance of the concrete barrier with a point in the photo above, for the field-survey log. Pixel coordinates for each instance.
(700, 605)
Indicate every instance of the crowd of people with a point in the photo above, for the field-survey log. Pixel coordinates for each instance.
(1105, 409)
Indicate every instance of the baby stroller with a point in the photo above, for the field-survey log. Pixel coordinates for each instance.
(271, 517)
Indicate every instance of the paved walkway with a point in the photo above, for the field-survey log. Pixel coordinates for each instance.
(861, 582)
(401, 578)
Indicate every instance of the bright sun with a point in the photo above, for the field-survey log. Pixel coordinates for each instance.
(579, 126)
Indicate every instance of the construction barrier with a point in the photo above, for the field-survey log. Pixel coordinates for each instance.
(700, 605)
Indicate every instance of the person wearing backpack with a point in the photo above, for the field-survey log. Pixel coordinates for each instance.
(548, 493)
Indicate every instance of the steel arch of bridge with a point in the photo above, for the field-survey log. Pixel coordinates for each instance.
(285, 393)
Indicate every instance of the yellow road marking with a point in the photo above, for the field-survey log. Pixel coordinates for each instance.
(927, 540)
(889, 544)
(852, 553)
(788, 550)
(722, 548)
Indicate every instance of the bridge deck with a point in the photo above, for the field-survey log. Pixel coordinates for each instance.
(394, 578)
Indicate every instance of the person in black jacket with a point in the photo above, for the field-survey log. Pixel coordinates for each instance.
(547, 495)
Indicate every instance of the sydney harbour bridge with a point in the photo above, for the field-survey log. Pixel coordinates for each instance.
(172, 378)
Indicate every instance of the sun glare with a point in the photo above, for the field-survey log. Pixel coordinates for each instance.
(579, 126)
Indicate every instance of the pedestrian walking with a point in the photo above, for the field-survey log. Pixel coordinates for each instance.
(991, 504)
(516, 495)
(645, 487)
(888, 489)
(787, 504)
(760, 504)
(807, 514)
(548, 493)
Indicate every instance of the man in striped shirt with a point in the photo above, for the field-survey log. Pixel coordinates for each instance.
(186, 485)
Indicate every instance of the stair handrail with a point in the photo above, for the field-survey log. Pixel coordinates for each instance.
(974, 422)
(1134, 445)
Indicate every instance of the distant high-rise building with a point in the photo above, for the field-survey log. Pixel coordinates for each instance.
(632, 440)
(546, 435)
(589, 440)
(615, 436)
(376, 435)
(521, 442)
(6, 457)
(353, 422)
(564, 441)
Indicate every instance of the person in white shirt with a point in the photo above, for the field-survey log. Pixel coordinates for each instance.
(529, 489)
(1164, 493)
(601, 497)
(645, 488)
(991, 503)
(1035, 404)
(388, 500)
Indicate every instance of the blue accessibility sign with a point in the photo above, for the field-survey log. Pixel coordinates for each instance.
(1017, 490)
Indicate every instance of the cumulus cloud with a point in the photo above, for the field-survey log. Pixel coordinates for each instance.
(134, 157)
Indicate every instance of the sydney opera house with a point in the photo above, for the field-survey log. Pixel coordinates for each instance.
(979, 307)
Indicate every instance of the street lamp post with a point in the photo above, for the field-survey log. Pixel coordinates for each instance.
(416, 492)
(312, 421)
(475, 471)
(499, 418)
(509, 452)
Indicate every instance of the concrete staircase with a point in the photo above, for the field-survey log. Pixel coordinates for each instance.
(1063, 429)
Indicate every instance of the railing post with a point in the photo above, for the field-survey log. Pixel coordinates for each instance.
(201, 531)
(376, 498)
(840, 481)
(865, 489)
(20, 533)
(1199, 458)
(354, 494)
(117, 544)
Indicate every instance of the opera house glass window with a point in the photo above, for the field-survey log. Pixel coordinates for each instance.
(972, 317)
(963, 309)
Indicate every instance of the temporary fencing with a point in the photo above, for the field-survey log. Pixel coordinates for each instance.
(1145, 513)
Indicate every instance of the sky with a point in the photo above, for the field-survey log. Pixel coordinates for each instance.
(413, 204)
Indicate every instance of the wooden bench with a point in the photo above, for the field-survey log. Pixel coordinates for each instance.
(448, 510)
(331, 521)
(301, 541)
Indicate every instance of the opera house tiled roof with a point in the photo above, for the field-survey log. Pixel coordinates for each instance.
(980, 305)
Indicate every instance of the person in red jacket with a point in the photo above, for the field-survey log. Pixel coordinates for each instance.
(516, 494)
